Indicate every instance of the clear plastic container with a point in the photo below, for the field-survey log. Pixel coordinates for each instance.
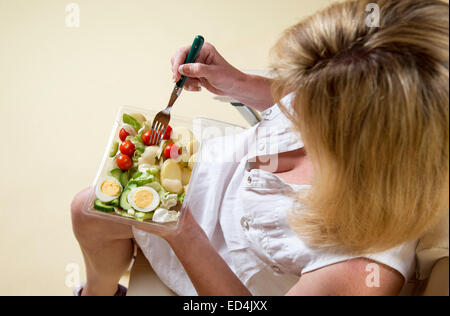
(202, 129)
(108, 163)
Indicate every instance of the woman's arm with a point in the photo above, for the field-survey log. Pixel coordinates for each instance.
(208, 272)
(211, 276)
(355, 277)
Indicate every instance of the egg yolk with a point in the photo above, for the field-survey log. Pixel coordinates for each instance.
(110, 188)
(143, 198)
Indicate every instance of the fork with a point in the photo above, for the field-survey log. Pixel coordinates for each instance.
(161, 120)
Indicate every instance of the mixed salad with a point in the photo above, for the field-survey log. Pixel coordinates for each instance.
(149, 178)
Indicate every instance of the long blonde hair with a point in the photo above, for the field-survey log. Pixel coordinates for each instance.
(372, 107)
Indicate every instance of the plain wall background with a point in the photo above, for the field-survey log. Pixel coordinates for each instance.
(60, 88)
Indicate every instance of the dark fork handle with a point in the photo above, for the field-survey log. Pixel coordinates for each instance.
(192, 57)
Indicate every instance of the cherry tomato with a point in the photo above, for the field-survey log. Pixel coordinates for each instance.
(124, 162)
(123, 134)
(167, 133)
(127, 148)
(172, 151)
(146, 138)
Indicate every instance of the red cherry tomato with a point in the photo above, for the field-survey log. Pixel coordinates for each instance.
(146, 138)
(127, 148)
(124, 162)
(172, 151)
(166, 151)
(123, 134)
(167, 133)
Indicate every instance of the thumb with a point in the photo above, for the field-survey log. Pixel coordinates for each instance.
(195, 70)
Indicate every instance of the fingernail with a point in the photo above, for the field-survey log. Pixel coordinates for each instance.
(180, 69)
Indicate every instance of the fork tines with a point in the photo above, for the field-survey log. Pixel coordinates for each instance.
(158, 130)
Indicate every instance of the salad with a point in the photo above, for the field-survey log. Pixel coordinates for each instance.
(148, 179)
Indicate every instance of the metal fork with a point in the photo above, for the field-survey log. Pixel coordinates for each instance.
(161, 120)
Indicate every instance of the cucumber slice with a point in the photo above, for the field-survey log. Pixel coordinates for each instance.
(101, 206)
(124, 179)
(113, 203)
(124, 197)
(114, 149)
(141, 216)
(122, 212)
(116, 173)
(124, 200)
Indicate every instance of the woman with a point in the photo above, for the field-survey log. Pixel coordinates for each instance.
(367, 178)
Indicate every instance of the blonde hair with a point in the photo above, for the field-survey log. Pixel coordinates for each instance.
(372, 106)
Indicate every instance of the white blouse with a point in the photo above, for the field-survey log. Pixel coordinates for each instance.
(244, 214)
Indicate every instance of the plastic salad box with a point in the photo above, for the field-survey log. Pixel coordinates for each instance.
(145, 195)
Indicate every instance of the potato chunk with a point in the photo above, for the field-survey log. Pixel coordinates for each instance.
(171, 176)
(149, 156)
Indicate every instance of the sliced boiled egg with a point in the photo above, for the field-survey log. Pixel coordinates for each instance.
(143, 199)
(108, 189)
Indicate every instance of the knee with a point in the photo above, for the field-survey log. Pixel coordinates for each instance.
(79, 218)
(90, 229)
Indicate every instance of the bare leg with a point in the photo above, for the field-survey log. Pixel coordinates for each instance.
(106, 246)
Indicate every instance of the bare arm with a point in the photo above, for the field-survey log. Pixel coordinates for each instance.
(208, 272)
(349, 278)
(211, 275)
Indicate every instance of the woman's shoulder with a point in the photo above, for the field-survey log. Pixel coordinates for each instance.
(400, 259)
(357, 276)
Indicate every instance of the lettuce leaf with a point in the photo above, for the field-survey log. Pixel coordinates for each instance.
(168, 200)
(141, 179)
(181, 197)
(128, 119)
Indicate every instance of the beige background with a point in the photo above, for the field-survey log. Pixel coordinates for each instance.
(60, 88)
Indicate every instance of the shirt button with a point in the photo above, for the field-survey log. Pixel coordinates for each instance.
(244, 223)
(262, 146)
(267, 113)
(249, 180)
(276, 269)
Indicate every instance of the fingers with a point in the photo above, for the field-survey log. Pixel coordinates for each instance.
(177, 60)
(207, 56)
(195, 70)
(209, 87)
(193, 85)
